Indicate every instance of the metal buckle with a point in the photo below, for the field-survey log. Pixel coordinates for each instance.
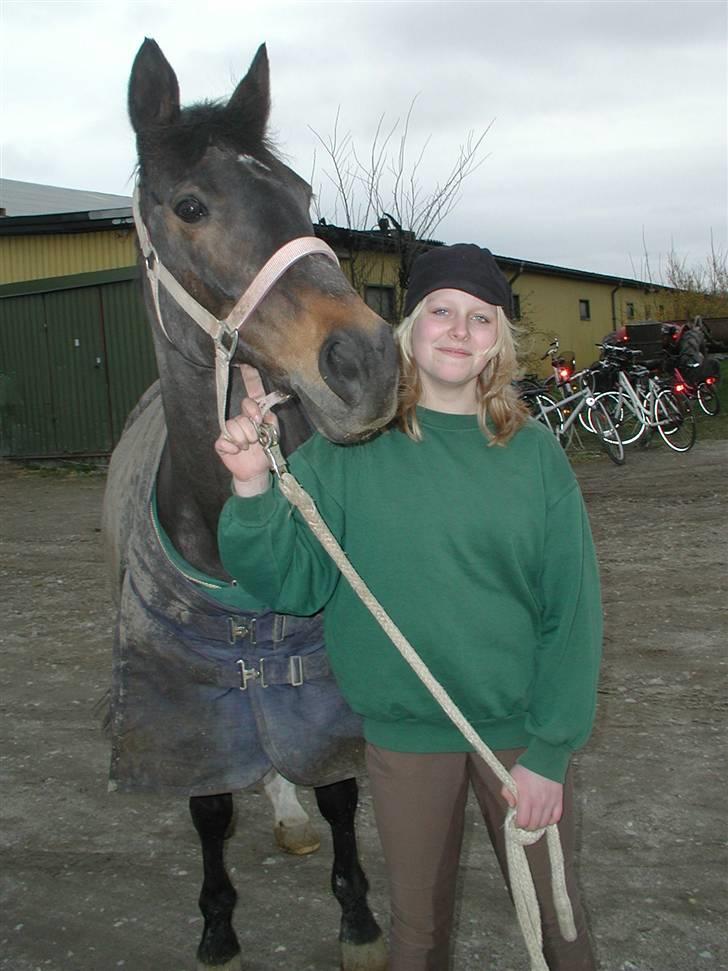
(239, 631)
(246, 674)
(261, 670)
(295, 665)
(232, 343)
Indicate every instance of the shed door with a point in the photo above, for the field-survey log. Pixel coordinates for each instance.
(77, 371)
(25, 391)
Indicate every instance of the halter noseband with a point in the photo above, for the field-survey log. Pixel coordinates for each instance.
(224, 333)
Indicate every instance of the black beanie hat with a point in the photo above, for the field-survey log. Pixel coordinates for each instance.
(462, 266)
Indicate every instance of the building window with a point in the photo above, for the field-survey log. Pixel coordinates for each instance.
(630, 311)
(381, 300)
(516, 306)
(584, 310)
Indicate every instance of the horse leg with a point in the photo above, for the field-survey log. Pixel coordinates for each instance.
(219, 948)
(362, 945)
(293, 830)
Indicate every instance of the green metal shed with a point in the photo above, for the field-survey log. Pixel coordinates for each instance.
(75, 355)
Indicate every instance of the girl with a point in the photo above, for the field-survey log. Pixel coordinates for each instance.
(466, 522)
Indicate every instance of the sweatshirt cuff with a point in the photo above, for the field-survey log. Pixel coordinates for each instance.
(550, 761)
(250, 510)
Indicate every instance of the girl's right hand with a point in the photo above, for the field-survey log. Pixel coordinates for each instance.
(241, 452)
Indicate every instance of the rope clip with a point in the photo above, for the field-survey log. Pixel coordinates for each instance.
(269, 440)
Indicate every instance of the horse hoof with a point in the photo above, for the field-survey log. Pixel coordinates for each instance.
(364, 957)
(298, 839)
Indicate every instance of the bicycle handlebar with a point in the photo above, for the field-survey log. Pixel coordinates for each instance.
(617, 349)
(552, 349)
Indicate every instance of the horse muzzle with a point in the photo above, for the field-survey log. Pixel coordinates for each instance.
(355, 392)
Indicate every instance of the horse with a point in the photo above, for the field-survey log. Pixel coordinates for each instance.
(211, 692)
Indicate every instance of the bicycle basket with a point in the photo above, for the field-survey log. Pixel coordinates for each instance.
(602, 377)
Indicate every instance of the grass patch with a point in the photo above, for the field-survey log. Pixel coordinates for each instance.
(710, 429)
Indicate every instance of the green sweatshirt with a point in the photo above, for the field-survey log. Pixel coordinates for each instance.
(481, 555)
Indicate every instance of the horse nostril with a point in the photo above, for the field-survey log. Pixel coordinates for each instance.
(339, 359)
(343, 363)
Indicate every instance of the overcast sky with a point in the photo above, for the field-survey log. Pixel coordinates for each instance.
(609, 119)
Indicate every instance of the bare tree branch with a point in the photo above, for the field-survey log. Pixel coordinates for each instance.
(692, 289)
(385, 180)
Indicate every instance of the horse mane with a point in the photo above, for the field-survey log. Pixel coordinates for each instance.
(183, 142)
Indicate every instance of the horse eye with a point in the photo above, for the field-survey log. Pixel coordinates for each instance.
(190, 210)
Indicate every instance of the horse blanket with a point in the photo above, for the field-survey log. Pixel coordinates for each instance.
(203, 699)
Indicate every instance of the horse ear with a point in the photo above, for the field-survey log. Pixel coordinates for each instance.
(250, 101)
(153, 88)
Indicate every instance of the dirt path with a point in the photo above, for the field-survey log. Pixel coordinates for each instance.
(92, 882)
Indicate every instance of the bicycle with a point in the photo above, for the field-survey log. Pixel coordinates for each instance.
(704, 392)
(558, 387)
(640, 403)
(563, 369)
(583, 405)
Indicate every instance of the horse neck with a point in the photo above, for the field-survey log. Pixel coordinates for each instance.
(192, 484)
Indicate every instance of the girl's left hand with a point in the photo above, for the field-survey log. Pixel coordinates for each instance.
(539, 802)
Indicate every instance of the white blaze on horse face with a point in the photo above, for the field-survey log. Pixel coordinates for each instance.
(252, 161)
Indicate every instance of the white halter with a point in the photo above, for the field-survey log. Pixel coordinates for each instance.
(224, 333)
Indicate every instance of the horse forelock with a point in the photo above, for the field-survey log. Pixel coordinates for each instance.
(180, 145)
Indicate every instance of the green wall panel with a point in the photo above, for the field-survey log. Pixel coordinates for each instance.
(78, 379)
(75, 355)
(130, 361)
(26, 398)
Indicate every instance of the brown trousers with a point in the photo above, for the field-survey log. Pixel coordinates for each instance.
(419, 803)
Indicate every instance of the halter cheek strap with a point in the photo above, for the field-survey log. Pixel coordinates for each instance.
(224, 332)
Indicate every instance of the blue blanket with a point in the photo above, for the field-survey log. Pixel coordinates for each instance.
(205, 700)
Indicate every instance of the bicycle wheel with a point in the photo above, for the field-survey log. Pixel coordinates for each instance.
(584, 414)
(708, 399)
(621, 410)
(675, 423)
(607, 433)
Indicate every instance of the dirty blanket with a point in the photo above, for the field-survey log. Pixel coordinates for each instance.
(204, 700)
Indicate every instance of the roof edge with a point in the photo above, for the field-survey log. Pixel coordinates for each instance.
(104, 219)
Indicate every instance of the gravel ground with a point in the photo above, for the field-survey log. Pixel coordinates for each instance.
(94, 882)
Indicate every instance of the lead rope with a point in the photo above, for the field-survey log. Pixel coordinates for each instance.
(521, 879)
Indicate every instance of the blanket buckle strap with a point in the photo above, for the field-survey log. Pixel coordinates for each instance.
(296, 670)
(246, 674)
(237, 631)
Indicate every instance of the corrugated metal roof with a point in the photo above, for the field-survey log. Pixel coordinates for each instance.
(32, 199)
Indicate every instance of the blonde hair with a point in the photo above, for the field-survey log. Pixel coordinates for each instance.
(497, 399)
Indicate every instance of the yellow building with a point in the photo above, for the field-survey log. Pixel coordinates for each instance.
(69, 286)
(578, 307)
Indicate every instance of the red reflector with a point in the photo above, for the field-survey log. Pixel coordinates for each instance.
(564, 373)
(710, 380)
(679, 388)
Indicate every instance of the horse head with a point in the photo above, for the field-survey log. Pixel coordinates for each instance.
(217, 203)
